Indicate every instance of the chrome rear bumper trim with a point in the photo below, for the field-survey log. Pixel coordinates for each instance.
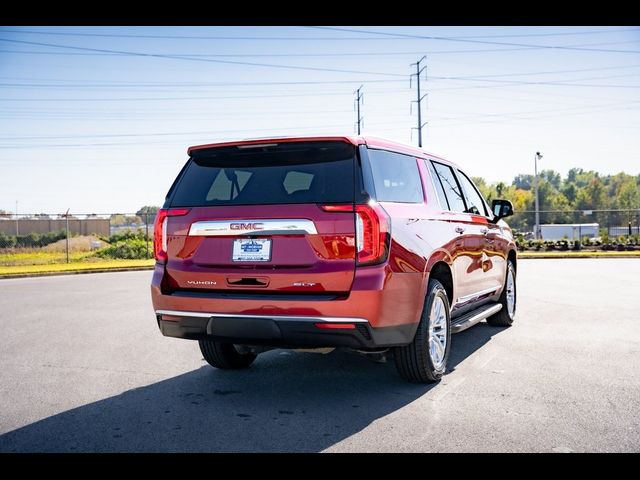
(279, 318)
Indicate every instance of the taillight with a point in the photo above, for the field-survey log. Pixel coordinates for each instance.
(160, 231)
(373, 234)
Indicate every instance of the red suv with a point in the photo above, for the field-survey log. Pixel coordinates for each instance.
(329, 242)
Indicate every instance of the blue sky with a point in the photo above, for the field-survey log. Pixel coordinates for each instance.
(98, 119)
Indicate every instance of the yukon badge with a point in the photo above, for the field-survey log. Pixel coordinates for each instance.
(200, 282)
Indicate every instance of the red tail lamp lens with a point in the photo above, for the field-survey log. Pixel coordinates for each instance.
(160, 231)
(373, 234)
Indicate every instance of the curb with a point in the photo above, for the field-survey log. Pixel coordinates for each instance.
(74, 272)
(546, 256)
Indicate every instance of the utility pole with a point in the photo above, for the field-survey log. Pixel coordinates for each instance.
(17, 227)
(537, 157)
(419, 97)
(67, 224)
(359, 99)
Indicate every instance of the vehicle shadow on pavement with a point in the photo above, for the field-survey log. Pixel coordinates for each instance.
(287, 402)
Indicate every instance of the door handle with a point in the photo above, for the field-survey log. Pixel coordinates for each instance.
(459, 229)
(484, 231)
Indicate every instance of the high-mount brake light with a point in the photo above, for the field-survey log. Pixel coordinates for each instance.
(337, 208)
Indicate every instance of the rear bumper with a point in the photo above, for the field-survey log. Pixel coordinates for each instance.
(281, 331)
(382, 306)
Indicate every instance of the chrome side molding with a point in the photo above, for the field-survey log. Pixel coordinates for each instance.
(474, 296)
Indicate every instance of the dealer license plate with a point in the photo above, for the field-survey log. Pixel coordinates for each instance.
(252, 250)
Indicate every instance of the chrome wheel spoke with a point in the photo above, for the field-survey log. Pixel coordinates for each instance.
(439, 349)
(437, 332)
(433, 352)
(511, 293)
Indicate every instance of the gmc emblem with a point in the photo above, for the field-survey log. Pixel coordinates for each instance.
(246, 226)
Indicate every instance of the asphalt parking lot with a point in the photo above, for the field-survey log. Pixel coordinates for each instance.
(84, 368)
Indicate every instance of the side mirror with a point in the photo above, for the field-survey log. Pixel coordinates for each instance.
(501, 209)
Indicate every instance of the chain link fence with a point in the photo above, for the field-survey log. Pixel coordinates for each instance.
(44, 238)
(612, 223)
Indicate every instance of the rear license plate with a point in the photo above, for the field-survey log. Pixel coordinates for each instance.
(252, 250)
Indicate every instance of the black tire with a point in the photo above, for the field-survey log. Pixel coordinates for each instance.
(413, 361)
(224, 355)
(503, 318)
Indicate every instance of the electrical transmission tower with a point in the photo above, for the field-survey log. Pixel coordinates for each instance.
(359, 100)
(419, 97)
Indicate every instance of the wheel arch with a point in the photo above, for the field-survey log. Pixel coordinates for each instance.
(442, 272)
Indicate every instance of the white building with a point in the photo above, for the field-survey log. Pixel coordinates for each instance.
(572, 231)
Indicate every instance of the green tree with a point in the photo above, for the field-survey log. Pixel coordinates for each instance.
(486, 191)
(552, 177)
(150, 210)
(523, 181)
(628, 196)
(593, 196)
(572, 176)
(570, 191)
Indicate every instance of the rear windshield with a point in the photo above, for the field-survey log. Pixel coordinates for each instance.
(297, 172)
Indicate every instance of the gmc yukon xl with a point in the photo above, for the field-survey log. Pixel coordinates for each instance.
(317, 242)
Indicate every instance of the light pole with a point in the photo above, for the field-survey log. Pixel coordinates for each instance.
(537, 157)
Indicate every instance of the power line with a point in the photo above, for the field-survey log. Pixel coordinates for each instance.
(584, 32)
(561, 111)
(547, 72)
(535, 82)
(538, 117)
(481, 78)
(534, 112)
(191, 85)
(218, 37)
(308, 55)
(469, 40)
(146, 84)
(127, 99)
(209, 60)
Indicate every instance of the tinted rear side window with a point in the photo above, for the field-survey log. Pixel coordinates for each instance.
(450, 186)
(396, 177)
(296, 172)
(437, 183)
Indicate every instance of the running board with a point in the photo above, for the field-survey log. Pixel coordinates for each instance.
(470, 319)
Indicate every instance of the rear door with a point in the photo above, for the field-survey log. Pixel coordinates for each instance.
(258, 219)
(468, 233)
